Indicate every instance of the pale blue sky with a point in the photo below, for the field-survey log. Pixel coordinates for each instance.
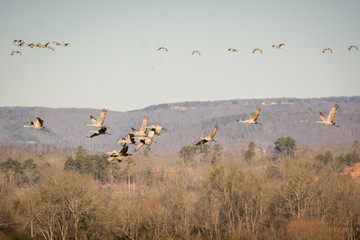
(112, 61)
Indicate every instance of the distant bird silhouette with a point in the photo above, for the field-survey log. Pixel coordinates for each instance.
(278, 46)
(99, 122)
(98, 132)
(65, 44)
(129, 140)
(164, 48)
(18, 41)
(210, 137)
(13, 52)
(353, 46)
(232, 50)
(57, 43)
(30, 45)
(327, 49)
(195, 51)
(253, 118)
(38, 125)
(19, 44)
(118, 155)
(257, 49)
(329, 121)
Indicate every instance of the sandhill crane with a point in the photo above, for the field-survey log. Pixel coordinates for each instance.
(19, 44)
(329, 120)
(353, 46)
(195, 51)
(253, 118)
(143, 128)
(157, 129)
(147, 140)
(56, 43)
(327, 49)
(65, 44)
(30, 45)
(143, 141)
(38, 125)
(129, 140)
(210, 137)
(163, 48)
(278, 46)
(102, 130)
(118, 155)
(257, 49)
(39, 45)
(18, 41)
(99, 122)
(232, 50)
(13, 52)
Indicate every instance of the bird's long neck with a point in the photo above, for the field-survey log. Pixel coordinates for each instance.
(319, 121)
(29, 126)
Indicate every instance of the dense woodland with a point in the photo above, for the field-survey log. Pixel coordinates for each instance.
(186, 122)
(201, 192)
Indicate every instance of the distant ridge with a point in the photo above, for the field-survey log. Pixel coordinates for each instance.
(185, 122)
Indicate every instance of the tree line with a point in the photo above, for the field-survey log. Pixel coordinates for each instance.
(203, 193)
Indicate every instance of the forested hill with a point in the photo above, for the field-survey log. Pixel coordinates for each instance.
(186, 122)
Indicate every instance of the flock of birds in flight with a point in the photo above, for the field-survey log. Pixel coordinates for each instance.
(279, 46)
(21, 43)
(145, 137)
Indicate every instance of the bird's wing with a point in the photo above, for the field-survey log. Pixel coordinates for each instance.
(94, 135)
(92, 119)
(356, 48)
(201, 142)
(192, 52)
(332, 112)
(261, 51)
(124, 150)
(101, 118)
(39, 121)
(102, 130)
(144, 125)
(254, 50)
(139, 145)
(166, 49)
(256, 114)
(322, 116)
(114, 153)
(131, 137)
(151, 133)
(350, 48)
(213, 132)
(281, 44)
